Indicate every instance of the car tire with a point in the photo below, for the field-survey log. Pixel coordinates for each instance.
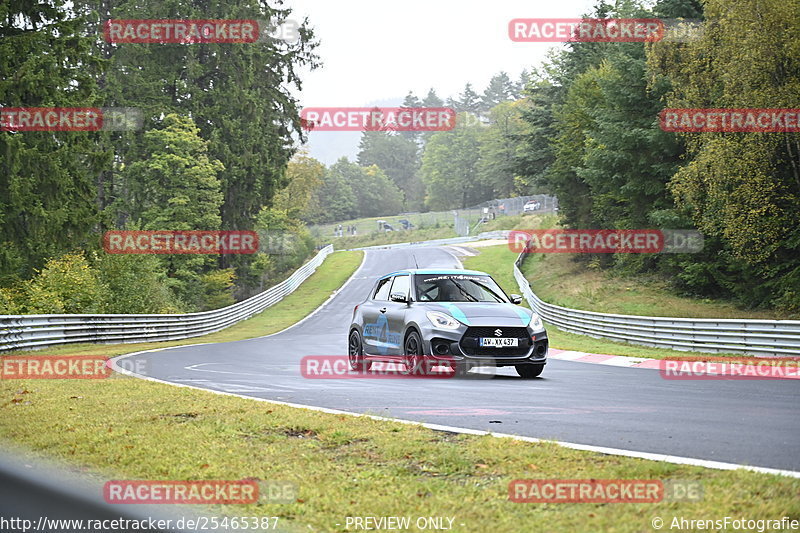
(529, 371)
(355, 353)
(413, 355)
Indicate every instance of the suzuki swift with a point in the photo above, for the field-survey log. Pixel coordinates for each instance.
(460, 318)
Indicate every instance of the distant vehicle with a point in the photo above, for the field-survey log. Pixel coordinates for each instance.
(388, 227)
(458, 318)
(406, 223)
(531, 206)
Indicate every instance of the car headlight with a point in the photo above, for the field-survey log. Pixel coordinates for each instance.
(536, 322)
(442, 320)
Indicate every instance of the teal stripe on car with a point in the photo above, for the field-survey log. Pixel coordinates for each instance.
(525, 317)
(456, 313)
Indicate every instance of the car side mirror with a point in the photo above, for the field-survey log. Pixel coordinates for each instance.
(398, 297)
(516, 299)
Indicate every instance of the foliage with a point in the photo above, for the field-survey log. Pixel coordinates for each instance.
(349, 190)
(450, 166)
(397, 155)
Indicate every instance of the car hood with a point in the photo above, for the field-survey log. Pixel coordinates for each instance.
(484, 314)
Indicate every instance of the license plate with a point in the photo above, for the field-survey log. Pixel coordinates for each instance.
(499, 342)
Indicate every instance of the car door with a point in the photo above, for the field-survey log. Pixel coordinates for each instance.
(373, 313)
(396, 314)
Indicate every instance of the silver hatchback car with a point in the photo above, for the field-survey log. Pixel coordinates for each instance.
(461, 318)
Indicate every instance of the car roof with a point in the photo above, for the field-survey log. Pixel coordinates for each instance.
(428, 271)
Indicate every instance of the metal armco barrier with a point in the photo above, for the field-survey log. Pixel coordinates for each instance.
(715, 335)
(36, 331)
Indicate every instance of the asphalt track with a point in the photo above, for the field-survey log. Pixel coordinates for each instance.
(743, 422)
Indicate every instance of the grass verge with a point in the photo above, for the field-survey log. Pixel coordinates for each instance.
(329, 277)
(498, 261)
(557, 279)
(393, 237)
(444, 231)
(123, 428)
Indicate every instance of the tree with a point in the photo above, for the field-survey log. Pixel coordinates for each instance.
(375, 192)
(411, 101)
(469, 101)
(743, 189)
(432, 100)
(450, 167)
(519, 87)
(239, 95)
(500, 89)
(535, 155)
(304, 175)
(398, 157)
(176, 187)
(335, 198)
(499, 149)
(47, 198)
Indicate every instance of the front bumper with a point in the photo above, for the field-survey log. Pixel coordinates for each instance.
(461, 346)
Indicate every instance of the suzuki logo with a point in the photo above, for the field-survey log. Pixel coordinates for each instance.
(498, 332)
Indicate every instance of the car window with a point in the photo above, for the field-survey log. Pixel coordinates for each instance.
(401, 284)
(382, 292)
(457, 288)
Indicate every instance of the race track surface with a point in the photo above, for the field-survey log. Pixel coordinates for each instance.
(743, 422)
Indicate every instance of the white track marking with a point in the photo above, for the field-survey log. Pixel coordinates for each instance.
(467, 431)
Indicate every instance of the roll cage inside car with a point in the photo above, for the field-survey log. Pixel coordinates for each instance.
(406, 287)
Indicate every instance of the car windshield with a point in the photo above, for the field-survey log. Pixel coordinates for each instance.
(457, 288)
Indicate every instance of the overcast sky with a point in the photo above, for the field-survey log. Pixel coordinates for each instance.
(376, 50)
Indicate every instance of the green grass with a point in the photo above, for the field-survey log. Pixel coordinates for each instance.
(328, 277)
(376, 238)
(367, 225)
(559, 280)
(123, 428)
(498, 261)
(392, 237)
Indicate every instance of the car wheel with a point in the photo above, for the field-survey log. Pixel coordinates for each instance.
(529, 371)
(414, 359)
(355, 353)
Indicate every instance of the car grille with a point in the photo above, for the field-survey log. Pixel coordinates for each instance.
(470, 341)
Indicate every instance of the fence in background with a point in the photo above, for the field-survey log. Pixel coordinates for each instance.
(37, 331)
(465, 221)
(715, 335)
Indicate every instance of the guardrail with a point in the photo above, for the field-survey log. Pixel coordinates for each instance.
(36, 331)
(715, 335)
